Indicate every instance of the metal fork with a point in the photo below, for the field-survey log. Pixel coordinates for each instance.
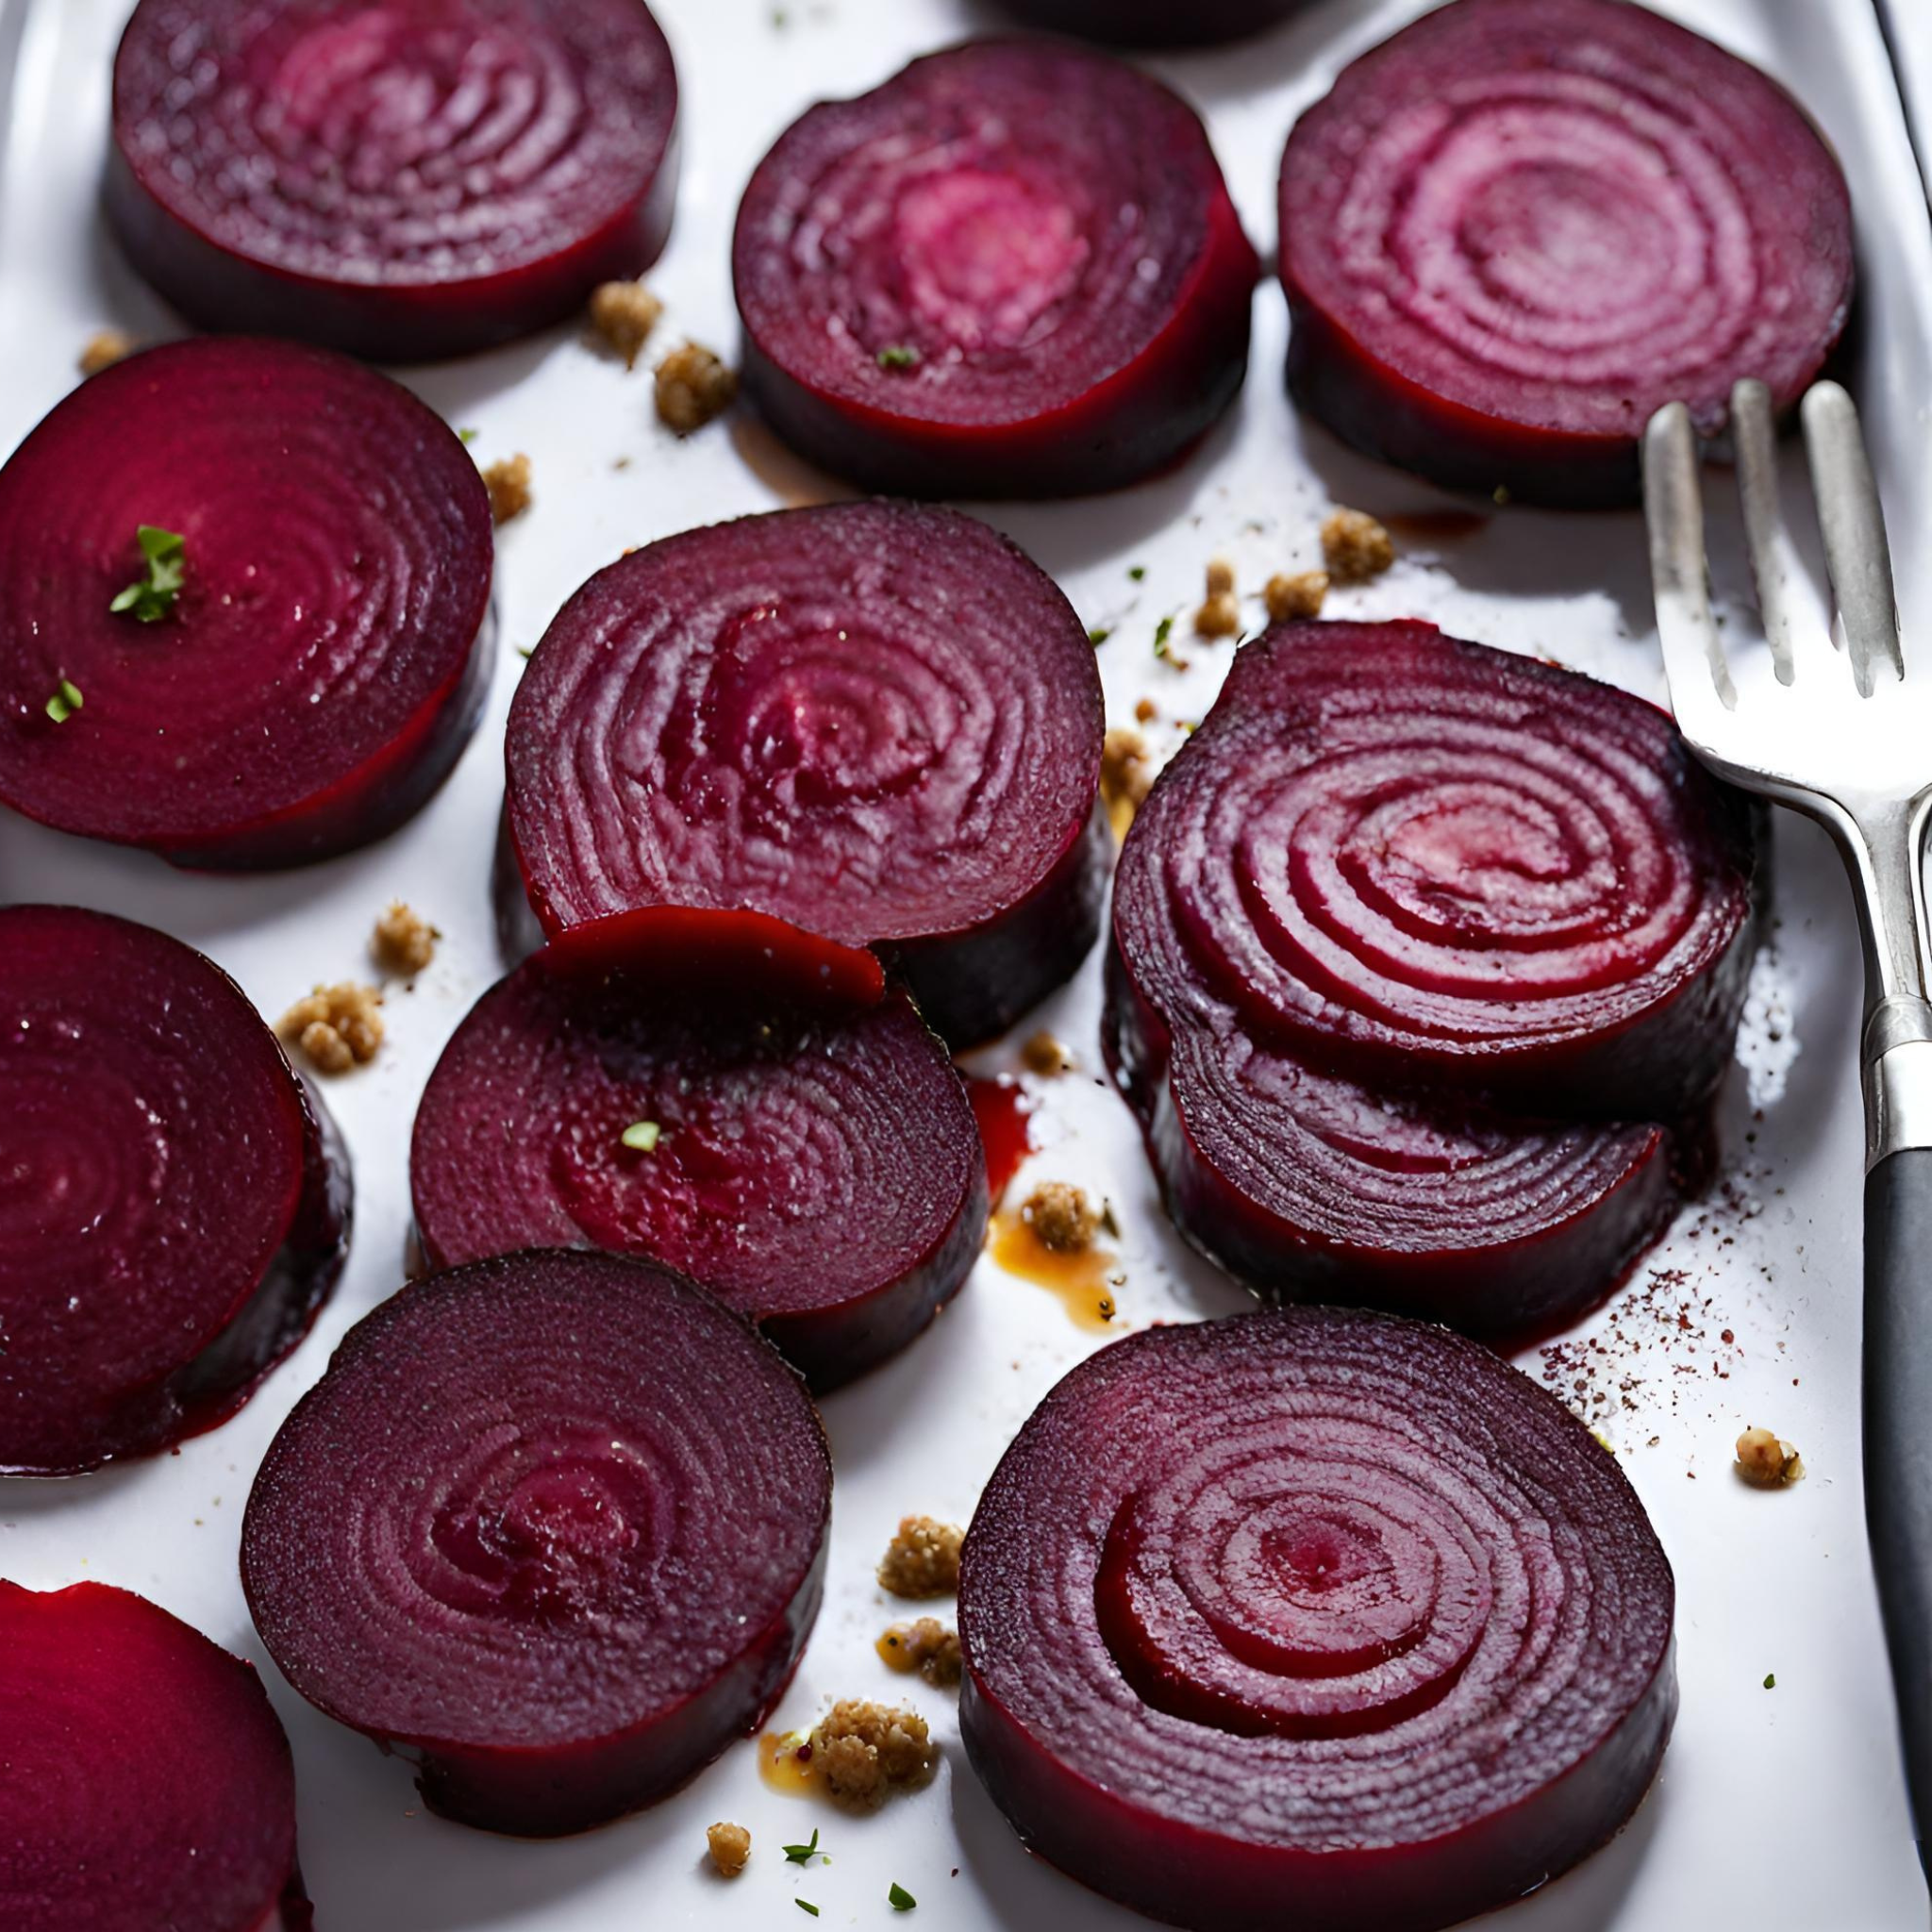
(1851, 747)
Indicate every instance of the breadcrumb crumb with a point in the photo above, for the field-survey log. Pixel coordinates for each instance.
(928, 1647)
(694, 386)
(1061, 1217)
(1766, 1462)
(404, 943)
(1219, 617)
(1146, 710)
(922, 1560)
(624, 313)
(105, 348)
(1301, 595)
(336, 1027)
(1127, 774)
(861, 1752)
(1355, 547)
(1220, 577)
(507, 481)
(729, 1846)
(1044, 1055)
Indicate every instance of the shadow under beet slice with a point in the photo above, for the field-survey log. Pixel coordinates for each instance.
(1012, 270)
(820, 1171)
(552, 1526)
(880, 722)
(174, 1204)
(1516, 229)
(316, 666)
(399, 178)
(1157, 23)
(148, 1781)
(1316, 1618)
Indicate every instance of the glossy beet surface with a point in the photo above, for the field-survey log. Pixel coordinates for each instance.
(818, 1170)
(1012, 270)
(147, 1784)
(553, 1526)
(878, 723)
(399, 178)
(172, 1207)
(1157, 23)
(1513, 231)
(323, 663)
(1312, 1618)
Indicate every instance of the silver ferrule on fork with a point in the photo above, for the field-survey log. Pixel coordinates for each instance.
(1896, 1049)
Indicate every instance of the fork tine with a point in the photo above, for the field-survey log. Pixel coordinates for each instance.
(1674, 510)
(1855, 551)
(1753, 438)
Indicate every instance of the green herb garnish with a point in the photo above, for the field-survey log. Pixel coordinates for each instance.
(643, 1135)
(1162, 631)
(152, 598)
(801, 1854)
(1137, 571)
(1770, 1680)
(899, 356)
(900, 1899)
(1099, 634)
(466, 436)
(525, 650)
(805, 1905)
(65, 701)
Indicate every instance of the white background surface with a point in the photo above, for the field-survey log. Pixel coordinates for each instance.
(1778, 1810)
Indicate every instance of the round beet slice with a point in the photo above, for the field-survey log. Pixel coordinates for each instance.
(553, 1526)
(878, 722)
(399, 178)
(1157, 23)
(1312, 1617)
(820, 1171)
(148, 1780)
(1424, 862)
(1513, 231)
(1012, 270)
(323, 662)
(173, 1203)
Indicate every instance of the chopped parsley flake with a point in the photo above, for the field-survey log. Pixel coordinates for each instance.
(466, 436)
(1137, 571)
(805, 1905)
(643, 1135)
(153, 597)
(1770, 1680)
(1162, 631)
(801, 1854)
(900, 1899)
(65, 701)
(898, 355)
(1099, 634)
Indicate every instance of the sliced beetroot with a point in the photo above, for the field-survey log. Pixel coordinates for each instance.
(399, 178)
(1012, 270)
(1312, 1618)
(818, 1171)
(174, 1204)
(876, 721)
(323, 663)
(553, 1526)
(1157, 23)
(148, 1781)
(1513, 231)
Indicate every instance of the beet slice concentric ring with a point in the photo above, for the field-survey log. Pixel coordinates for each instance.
(551, 1526)
(174, 1204)
(402, 179)
(1516, 229)
(323, 661)
(1312, 1617)
(1012, 270)
(148, 1781)
(818, 1171)
(876, 721)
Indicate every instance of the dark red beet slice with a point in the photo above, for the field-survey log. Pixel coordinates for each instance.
(325, 662)
(819, 1172)
(878, 722)
(1518, 227)
(174, 1204)
(1312, 1618)
(1157, 23)
(148, 1781)
(553, 1526)
(400, 178)
(1012, 270)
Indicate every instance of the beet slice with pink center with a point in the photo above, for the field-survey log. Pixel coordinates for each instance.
(553, 1526)
(820, 1171)
(1012, 270)
(1516, 229)
(148, 1781)
(173, 1203)
(325, 659)
(399, 178)
(878, 723)
(1157, 23)
(1312, 1617)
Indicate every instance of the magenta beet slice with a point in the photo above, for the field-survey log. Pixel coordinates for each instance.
(1157, 23)
(818, 1171)
(878, 722)
(1012, 270)
(553, 1526)
(325, 662)
(173, 1203)
(1513, 231)
(148, 1781)
(1312, 1618)
(399, 178)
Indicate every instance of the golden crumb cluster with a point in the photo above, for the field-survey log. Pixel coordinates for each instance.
(729, 1846)
(862, 1752)
(1355, 547)
(1766, 1461)
(507, 481)
(926, 1646)
(1292, 597)
(694, 386)
(624, 313)
(1126, 774)
(1061, 1217)
(105, 348)
(337, 1026)
(404, 943)
(1220, 615)
(922, 1560)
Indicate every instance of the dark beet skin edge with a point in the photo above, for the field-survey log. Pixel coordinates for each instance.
(880, 722)
(1496, 280)
(148, 1781)
(1157, 23)
(537, 158)
(818, 1171)
(327, 657)
(173, 1202)
(552, 1526)
(1312, 1618)
(1012, 270)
